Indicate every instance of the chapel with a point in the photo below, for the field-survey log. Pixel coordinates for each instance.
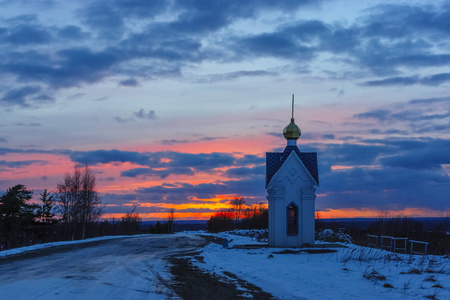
(291, 181)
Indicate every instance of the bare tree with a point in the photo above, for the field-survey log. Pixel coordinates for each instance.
(170, 220)
(78, 201)
(237, 205)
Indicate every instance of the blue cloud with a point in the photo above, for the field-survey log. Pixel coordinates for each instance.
(419, 115)
(182, 191)
(393, 81)
(108, 156)
(329, 136)
(245, 172)
(275, 45)
(72, 32)
(433, 80)
(382, 41)
(389, 188)
(27, 35)
(162, 173)
(166, 163)
(20, 163)
(141, 114)
(20, 96)
(129, 82)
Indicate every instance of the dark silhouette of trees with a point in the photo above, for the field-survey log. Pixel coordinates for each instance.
(221, 221)
(238, 216)
(237, 206)
(79, 204)
(16, 216)
(255, 217)
(131, 223)
(397, 226)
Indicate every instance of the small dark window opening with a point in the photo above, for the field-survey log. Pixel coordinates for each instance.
(292, 228)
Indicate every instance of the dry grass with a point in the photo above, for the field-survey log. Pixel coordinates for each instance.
(374, 275)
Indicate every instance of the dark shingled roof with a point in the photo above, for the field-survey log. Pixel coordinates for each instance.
(274, 161)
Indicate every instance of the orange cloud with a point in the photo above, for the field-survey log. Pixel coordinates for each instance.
(373, 213)
(163, 216)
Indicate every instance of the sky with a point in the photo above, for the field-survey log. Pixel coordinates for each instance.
(173, 104)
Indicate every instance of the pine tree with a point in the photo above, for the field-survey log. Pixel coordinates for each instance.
(16, 215)
(45, 211)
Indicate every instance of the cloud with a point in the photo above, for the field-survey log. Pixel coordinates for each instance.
(419, 115)
(211, 138)
(4, 151)
(20, 163)
(29, 124)
(436, 79)
(107, 15)
(182, 191)
(379, 114)
(389, 188)
(150, 115)
(233, 75)
(109, 156)
(429, 154)
(382, 41)
(241, 172)
(433, 80)
(26, 35)
(389, 173)
(249, 159)
(161, 173)
(20, 96)
(274, 45)
(206, 138)
(174, 142)
(129, 82)
(70, 68)
(393, 81)
(72, 32)
(120, 120)
(166, 163)
(329, 136)
(3, 139)
(166, 41)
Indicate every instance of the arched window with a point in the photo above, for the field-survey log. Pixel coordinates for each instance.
(292, 217)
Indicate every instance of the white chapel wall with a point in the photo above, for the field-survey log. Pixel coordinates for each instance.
(292, 183)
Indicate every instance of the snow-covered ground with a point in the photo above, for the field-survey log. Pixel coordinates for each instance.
(350, 273)
(113, 271)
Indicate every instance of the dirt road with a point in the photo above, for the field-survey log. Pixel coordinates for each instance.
(126, 268)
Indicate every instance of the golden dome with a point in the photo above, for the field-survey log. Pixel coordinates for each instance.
(292, 131)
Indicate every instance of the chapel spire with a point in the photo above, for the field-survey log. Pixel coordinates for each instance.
(292, 132)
